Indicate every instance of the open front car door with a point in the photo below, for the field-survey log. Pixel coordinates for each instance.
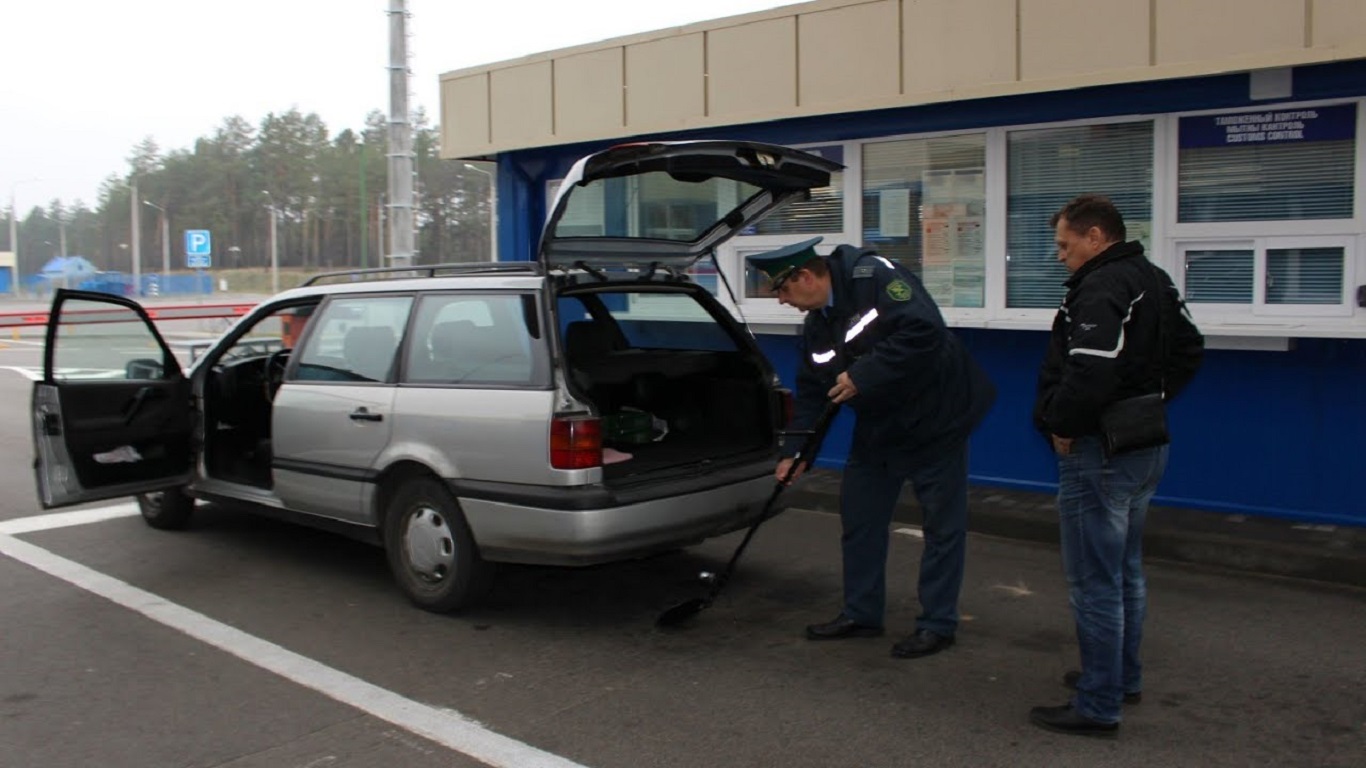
(112, 415)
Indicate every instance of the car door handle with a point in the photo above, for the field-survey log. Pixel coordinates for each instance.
(134, 406)
(364, 414)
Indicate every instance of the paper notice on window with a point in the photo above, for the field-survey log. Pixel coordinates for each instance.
(937, 241)
(894, 213)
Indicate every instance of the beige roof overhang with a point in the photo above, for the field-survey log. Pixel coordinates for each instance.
(835, 56)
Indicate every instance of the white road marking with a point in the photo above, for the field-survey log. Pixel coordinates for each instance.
(912, 532)
(28, 372)
(446, 727)
(67, 519)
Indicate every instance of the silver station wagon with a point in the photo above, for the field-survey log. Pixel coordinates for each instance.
(594, 405)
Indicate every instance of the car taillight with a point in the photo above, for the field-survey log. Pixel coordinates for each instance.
(575, 442)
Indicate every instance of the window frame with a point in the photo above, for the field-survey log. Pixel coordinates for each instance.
(1259, 307)
(1344, 320)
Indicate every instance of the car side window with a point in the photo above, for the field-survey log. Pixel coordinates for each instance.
(472, 339)
(355, 339)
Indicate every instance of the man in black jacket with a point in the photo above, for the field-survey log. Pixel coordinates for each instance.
(1121, 332)
(874, 339)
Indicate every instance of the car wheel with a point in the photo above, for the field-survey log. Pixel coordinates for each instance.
(166, 510)
(430, 548)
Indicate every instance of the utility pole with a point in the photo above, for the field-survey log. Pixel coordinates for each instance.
(274, 243)
(400, 140)
(14, 230)
(364, 210)
(137, 243)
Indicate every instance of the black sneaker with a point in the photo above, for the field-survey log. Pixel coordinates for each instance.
(1070, 679)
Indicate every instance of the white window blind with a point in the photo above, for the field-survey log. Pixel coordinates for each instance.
(924, 205)
(824, 212)
(1220, 276)
(1304, 275)
(1279, 182)
(1048, 167)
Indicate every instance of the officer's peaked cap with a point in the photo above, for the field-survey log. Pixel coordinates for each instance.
(780, 264)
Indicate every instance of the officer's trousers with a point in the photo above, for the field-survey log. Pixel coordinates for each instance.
(868, 495)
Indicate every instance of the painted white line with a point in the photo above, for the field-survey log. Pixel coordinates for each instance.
(28, 373)
(915, 533)
(443, 726)
(67, 519)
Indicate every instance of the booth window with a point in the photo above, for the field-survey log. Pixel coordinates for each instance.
(1271, 275)
(1046, 168)
(824, 212)
(924, 205)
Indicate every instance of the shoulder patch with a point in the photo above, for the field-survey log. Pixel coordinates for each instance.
(899, 290)
(865, 271)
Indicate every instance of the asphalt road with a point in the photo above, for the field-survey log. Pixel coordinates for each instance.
(246, 642)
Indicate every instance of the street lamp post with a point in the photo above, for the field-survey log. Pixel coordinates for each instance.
(493, 210)
(274, 243)
(134, 225)
(165, 239)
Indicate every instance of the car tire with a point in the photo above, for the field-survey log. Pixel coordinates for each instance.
(168, 510)
(430, 549)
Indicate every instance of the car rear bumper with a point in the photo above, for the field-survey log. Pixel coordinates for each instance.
(588, 525)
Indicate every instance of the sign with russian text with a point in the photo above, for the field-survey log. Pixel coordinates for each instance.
(1336, 122)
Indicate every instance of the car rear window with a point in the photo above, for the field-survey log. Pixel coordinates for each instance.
(651, 320)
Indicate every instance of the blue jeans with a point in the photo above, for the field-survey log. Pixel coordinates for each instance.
(868, 495)
(1102, 505)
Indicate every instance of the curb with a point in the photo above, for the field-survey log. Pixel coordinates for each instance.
(1268, 546)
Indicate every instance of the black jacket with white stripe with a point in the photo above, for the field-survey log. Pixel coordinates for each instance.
(1105, 343)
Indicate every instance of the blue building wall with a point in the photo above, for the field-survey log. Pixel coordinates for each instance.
(1264, 433)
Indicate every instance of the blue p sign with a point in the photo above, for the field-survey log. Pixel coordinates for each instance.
(198, 242)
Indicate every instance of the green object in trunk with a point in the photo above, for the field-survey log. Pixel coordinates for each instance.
(627, 426)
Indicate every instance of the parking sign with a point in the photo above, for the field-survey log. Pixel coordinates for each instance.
(198, 249)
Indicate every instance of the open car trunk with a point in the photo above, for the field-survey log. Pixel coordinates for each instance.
(679, 392)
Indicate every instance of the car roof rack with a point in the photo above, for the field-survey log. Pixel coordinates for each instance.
(429, 270)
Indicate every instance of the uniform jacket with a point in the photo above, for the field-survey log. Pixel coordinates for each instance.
(918, 388)
(1105, 344)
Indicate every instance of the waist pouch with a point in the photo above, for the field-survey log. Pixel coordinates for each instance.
(1133, 424)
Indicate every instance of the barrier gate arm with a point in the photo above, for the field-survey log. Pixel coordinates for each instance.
(167, 312)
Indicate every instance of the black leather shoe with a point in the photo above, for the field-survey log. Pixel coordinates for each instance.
(1070, 679)
(922, 643)
(1065, 719)
(840, 628)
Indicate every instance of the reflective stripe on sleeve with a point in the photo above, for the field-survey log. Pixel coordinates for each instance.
(860, 325)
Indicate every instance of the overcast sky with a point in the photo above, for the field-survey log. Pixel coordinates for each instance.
(83, 81)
